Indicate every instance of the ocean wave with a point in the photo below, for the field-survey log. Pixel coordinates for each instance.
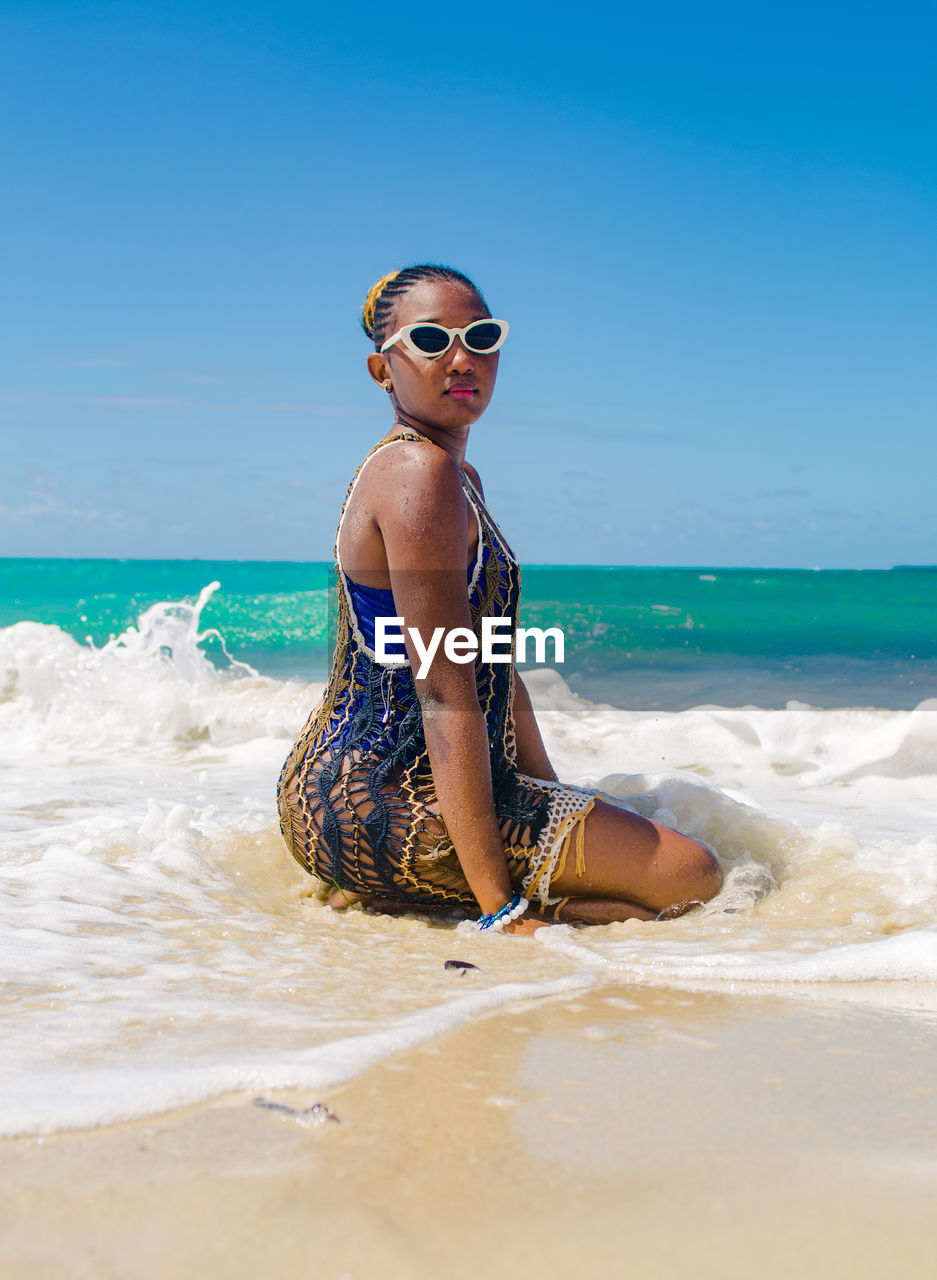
(813, 745)
(154, 684)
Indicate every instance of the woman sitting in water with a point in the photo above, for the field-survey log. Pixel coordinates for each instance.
(437, 791)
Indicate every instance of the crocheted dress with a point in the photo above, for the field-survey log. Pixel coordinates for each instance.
(356, 796)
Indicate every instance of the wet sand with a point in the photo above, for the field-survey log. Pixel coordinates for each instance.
(631, 1131)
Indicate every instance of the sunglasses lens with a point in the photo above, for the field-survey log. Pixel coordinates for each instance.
(430, 339)
(483, 336)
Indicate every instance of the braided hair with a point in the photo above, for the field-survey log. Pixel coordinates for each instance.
(378, 305)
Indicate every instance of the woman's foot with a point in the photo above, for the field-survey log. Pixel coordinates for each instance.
(342, 899)
(678, 909)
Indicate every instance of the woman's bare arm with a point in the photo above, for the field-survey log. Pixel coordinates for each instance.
(422, 521)
(532, 757)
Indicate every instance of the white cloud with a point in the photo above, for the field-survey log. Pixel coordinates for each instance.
(46, 506)
(179, 402)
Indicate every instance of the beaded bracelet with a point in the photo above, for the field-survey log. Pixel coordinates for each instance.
(495, 922)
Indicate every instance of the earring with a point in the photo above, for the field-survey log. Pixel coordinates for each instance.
(388, 387)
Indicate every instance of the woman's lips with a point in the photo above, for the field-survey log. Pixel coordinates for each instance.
(461, 393)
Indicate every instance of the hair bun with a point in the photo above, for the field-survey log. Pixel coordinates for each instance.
(370, 302)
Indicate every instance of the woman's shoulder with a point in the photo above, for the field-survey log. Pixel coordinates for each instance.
(417, 463)
(410, 459)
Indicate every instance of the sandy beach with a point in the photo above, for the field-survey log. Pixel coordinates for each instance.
(631, 1131)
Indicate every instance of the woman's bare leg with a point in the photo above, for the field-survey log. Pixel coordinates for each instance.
(635, 869)
(611, 911)
(637, 863)
(597, 911)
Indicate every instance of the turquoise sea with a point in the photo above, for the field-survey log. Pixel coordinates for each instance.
(644, 639)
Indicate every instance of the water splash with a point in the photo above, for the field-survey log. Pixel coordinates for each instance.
(161, 682)
(169, 630)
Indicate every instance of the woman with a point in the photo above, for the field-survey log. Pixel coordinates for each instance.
(437, 791)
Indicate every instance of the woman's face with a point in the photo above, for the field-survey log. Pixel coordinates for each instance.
(451, 390)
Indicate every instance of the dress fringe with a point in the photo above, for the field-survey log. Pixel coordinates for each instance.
(573, 824)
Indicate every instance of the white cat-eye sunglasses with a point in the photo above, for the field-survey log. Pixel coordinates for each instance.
(481, 337)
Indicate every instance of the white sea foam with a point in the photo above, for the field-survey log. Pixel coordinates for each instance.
(159, 946)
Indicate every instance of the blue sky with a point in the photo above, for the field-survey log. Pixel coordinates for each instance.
(713, 229)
